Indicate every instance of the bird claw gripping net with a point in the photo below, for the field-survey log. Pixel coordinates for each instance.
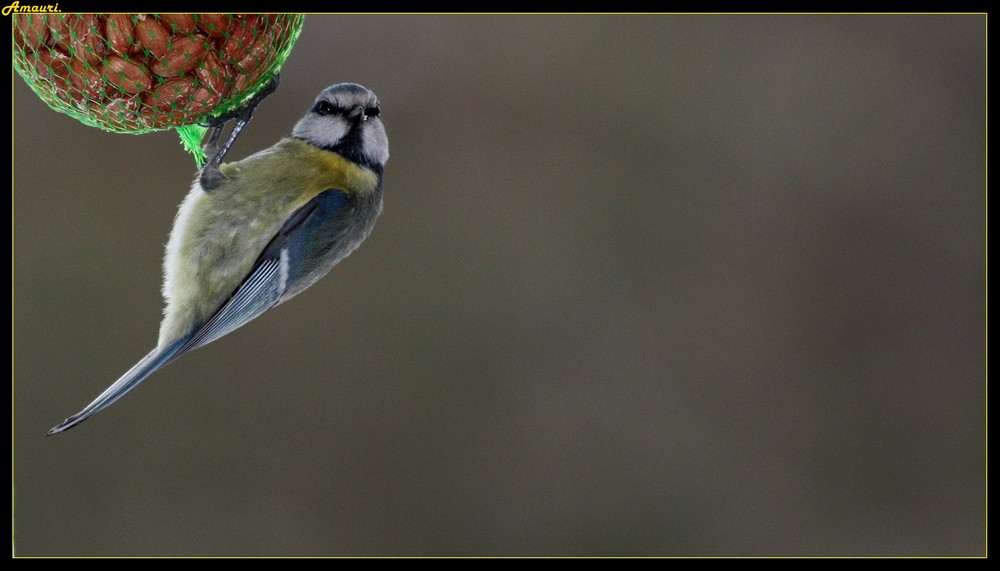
(138, 73)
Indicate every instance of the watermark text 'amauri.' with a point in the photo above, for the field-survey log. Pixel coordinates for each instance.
(16, 8)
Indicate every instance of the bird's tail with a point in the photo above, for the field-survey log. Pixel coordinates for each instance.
(156, 359)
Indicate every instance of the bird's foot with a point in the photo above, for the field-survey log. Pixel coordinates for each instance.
(211, 177)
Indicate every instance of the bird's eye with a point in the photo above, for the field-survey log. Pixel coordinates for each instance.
(323, 108)
(372, 110)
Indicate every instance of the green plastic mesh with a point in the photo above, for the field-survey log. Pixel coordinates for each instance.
(137, 73)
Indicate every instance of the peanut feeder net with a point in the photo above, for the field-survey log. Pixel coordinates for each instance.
(138, 73)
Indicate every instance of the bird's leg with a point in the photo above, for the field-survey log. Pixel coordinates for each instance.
(211, 177)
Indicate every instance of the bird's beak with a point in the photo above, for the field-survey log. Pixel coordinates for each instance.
(357, 114)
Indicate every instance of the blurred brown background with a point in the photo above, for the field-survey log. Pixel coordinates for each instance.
(644, 285)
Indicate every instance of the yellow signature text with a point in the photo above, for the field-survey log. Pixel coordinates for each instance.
(18, 9)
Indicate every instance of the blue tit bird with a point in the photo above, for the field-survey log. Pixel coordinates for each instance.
(253, 234)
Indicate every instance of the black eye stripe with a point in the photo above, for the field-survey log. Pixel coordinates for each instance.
(326, 108)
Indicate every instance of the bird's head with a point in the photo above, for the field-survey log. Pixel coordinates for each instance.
(345, 119)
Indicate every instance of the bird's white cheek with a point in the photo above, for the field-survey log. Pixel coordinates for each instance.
(376, 145)
(321, 131)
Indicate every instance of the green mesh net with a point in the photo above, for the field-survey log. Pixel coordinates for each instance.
(137, 73)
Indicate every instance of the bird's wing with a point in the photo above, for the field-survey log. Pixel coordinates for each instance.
(256, 295)
(268, 279)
